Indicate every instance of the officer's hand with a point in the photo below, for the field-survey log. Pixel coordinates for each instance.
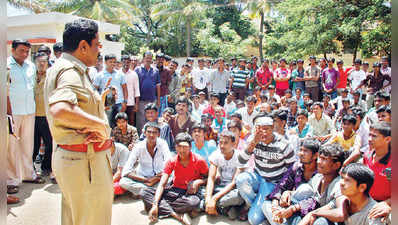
(153, 214)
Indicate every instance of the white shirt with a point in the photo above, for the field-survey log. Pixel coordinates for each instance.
(229, 107)
(246, 118)
(119, 157)
(147, 166)
(200, 78)
(196, 113)
(226, 168)
(92, 73)
(386, 71)
(356, 77)
(362, 136)
(133, 87)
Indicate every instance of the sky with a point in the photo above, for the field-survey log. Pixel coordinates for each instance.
(12, 11)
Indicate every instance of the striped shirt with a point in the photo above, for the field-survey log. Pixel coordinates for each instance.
(271, 160)
(240, 77)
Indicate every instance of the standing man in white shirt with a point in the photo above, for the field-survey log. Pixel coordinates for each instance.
(200, 77)
(133, 89)
(355, 77)
(22, 108)
(385, 70)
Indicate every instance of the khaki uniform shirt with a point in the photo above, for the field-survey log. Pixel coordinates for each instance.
(39, 98)
(68, 81)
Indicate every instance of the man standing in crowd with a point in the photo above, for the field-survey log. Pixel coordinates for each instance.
(80, 128)
(57, 48)
(42, 131)
(22, 103)
(298, 76)
(175, 84)
(200, 77)
(133, 89)
(330, 79)
(264, 75)
(165, 80)
(219, 79)
(239, 82)
(312, 74)
(118, 81)
(149, 81)
(385, 70)
(356, 76)
(282, 77)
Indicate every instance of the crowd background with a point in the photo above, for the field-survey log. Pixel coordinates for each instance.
(251, 121)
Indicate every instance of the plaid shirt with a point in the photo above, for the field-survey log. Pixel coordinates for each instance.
(131, 136)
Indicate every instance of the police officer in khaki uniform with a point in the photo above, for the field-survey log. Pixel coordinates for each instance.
(77, 120)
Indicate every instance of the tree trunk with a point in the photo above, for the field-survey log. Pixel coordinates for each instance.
(354, 56)
(260, 48)
(189, 30)
(324, 55)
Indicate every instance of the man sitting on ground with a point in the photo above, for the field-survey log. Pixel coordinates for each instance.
(224, 162)
(293, 187)
(119, 156)
(151, 155)
(190, 172)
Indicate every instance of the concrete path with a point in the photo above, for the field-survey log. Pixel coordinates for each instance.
(41, 204)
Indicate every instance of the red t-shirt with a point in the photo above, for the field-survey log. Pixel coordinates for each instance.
(196, 169)
(381, 189)
(343, 77)
(263, 76)
(282, 73)
(210, 110)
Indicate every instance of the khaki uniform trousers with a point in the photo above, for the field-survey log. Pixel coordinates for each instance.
(85, 180)
(20, 151)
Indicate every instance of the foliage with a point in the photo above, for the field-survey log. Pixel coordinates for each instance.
(230, 44)
(312, 27)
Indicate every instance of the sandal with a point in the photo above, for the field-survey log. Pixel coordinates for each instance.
(12, 189)
(38, 180)
(243, 214)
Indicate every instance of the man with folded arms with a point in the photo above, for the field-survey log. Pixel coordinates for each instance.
(79, 126)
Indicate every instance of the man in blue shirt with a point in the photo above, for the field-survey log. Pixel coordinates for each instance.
(149, 81)
(21, 106)
(118, 81)
(199, 145)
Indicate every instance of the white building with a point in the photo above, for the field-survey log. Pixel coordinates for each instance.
(47, 29)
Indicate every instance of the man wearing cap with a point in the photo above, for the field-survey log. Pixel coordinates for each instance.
(151, 155)
(57, 48)
(47, 51)
(22, 107)
(273, 155)
(79, 126)
(311, 77)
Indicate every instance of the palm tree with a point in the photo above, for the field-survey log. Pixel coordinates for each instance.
(260, 8)
(112, 11)
(37, 6)
(184, 12)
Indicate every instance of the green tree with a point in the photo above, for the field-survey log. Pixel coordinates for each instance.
(184, 12)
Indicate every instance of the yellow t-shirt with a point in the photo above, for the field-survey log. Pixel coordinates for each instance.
(346, 144)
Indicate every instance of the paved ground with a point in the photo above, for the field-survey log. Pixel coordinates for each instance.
(41, 204)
